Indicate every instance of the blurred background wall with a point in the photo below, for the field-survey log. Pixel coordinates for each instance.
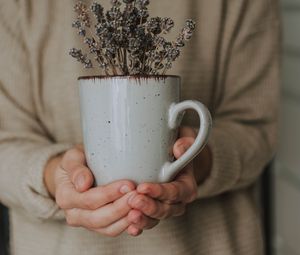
(286, 184)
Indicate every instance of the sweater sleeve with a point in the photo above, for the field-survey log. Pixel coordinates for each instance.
(243, 138)
(25, 145)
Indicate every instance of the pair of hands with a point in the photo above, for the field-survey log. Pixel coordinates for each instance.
(120, 206)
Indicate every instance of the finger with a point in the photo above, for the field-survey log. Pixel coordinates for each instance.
(73, 157)
(74, 164)
(183, 189)
(174, 191)
(82, 178)
(67, 197)
(182, 145)
(140, 221)
(170, 191)
(185, 131)
(155, 209)
(114, 229)
(102, 217)
(133, 231)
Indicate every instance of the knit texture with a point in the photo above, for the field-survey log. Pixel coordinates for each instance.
(231, 65)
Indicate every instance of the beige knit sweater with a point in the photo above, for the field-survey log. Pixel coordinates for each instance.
(231, 65)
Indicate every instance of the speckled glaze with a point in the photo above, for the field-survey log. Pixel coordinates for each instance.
(130, 125)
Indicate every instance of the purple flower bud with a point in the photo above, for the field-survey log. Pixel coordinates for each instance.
(125, 40)
(190, 24)
(82, 32)
(154, 25)
(173, 54)
(76, 24)
(97, 9)
(116, 3)
(143, 3)
(167, 24)
(88, 64)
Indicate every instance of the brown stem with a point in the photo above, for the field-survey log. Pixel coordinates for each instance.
(143, 62)
(125, 67)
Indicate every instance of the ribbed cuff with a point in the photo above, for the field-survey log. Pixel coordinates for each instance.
(35, 197)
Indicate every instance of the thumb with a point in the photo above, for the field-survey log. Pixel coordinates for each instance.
(82, 178)
(74, 164)
(182, 145)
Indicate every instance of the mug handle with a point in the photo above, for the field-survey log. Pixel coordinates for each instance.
(170, 170)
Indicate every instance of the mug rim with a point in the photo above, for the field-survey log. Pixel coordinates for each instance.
(101, 77)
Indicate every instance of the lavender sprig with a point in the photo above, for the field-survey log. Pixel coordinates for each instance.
(75, 53)
(124, 41)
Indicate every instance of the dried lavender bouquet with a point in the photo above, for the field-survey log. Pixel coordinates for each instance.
(124, 40)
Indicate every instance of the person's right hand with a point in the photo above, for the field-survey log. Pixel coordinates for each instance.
(102, 209)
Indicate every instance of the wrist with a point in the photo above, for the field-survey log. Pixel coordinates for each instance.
(49, 174)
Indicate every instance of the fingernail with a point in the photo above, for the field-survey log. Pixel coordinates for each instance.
(80, 181)
(143, 189)
(131, 198)
(125, 189)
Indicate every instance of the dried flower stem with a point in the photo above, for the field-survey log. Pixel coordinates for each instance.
(125, 41)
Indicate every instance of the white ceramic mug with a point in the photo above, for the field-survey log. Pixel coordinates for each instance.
(130, 125)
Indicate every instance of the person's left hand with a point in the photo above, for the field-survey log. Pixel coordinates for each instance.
(155, 202)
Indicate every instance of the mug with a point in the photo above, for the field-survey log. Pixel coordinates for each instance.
(130, 125)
